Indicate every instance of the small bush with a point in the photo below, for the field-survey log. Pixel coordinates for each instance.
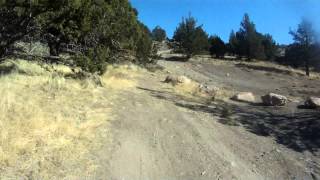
(94, 60)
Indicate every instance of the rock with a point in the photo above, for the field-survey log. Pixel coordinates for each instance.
(177, 80)
(184, 80)
(244, 97)
(171, 79)
(211, 91)
(312, 102)
(273, 99)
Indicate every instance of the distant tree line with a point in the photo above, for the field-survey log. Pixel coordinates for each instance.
(104, 28)
(248, 44)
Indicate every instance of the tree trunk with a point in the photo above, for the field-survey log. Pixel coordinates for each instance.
(2, 51)
(307, 67)
(54, 48)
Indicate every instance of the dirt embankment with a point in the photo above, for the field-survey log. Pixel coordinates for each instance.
(163, 134)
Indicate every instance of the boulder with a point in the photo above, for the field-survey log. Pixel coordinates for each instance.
(273, 99)
(244, 97)
(312, 102)
(209, 90)
(177, 80)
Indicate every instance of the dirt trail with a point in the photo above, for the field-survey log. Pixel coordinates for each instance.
(161, 136)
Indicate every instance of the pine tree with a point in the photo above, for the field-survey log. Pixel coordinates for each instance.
(250, 43)
(304, 37)
(270, 46)
(233, 43)
(217, 47)
(192, 38)
(250, 39)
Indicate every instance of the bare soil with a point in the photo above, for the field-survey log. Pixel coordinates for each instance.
(161, 135)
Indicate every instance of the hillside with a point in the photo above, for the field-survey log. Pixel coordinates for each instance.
(128, 124)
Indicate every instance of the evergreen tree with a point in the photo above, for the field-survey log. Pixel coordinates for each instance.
(102, 28)
(233, 43)
(192, 38)
(217, 47)
(144, 45)
(247, 42)
(270, 47)
(250, 39)
(159, 34)
(18, 18)
(304, 38)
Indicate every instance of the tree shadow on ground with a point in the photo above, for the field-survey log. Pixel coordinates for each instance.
(7, 69)
(299, 131)
(177, 58)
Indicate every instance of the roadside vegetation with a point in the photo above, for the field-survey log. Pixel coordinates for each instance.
(64, 62)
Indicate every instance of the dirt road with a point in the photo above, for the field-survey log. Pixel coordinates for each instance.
(159, 135)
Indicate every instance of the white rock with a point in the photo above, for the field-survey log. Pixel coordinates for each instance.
(245, 97)
(312, 102)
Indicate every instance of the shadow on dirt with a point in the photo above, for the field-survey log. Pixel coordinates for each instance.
(177, 58)
(298, 130)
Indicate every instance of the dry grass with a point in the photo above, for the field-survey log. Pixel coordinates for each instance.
(50, 126)
(121, 77)
(281, 68)
(260, 65)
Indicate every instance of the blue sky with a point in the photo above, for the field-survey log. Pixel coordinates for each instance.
(275, 17)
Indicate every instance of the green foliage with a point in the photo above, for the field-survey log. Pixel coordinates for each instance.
(192, 38)
(305, 40)
(94, 61)
(217, 47)
(270, 47)
(233, 43)
(144, 44)
(159, 34)
(250, 43)
(101, 28)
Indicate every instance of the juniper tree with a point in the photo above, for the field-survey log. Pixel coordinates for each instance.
(159, 34)
(217, 46)
(192, 38)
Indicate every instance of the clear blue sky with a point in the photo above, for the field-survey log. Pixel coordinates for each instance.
(219, 17)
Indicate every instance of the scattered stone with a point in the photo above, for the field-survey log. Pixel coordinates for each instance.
(273, 99)
(203, 173)
(244, 97)
(177, 80)
(211, 91)
(312, 102)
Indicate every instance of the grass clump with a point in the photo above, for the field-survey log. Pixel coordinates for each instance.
(121, 77)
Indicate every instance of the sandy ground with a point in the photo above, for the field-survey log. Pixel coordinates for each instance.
(160, 135)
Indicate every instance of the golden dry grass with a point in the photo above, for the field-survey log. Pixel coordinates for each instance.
(121, 77)
(49, 125)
